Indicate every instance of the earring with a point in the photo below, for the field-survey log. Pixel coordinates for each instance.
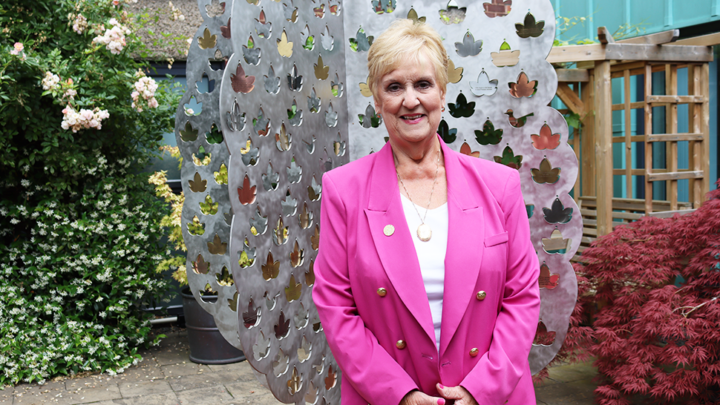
(443, 109)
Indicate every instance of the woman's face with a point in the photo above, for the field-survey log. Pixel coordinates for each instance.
(410, 101)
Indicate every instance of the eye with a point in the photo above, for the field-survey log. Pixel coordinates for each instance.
(423, 84)
(393, 87)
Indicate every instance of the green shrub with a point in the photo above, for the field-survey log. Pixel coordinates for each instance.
(80, 234)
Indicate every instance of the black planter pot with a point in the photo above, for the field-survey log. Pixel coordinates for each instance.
(207, 345)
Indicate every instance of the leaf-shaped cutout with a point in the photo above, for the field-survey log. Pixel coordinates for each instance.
(217, 247)
(331, 378)
(280, 364)
(319, 11)
(454, 74)
(336, 86)
(304, 351)
(301, 317)
(221, 175)
(225, 30)
(361, 42)
(331, 117)
(529, 209)
(327, 40)
(546, 174)
(530, 28)
(447, 134)
(489, 135)
(517, 122)
(207, 40)
(283, 140)
(202, 158)
(413, 15)
(546, 139)
(466, 150)
(214, 136)
(240, 82)
(224, 278)
(461, 108)
(314, 102)
(295, 115)
(322, 71)
(291, 14)
(284, 47)
(270, 179)
(236, 118)
(263, 28)
(232, 302)
(249, 154)
(497, 8)
(295, 382)
(308, 40)
(209, 207)
(469, 46)
(294, 172)
(523, 87)
(558, 214)
(509, 159)
(195, 227)
(310, 146)
(297, 255)
(314, 190)
(197, 184)
(251, 317)
(288, 205)
(294, 80)
(383, 6)
(271, 268)
(315, 238)
(311, 396)
(484, 86)
(258, 223)
(261, 125)
(305, 218)
(370, 118)
(251, 54)
(200, 266)
(547, 280)
(556, 244)
(505, 57)
(365, 89)
(542, 336)
(334, 8)
(261, 348)
(294, 289)
(246, 193)
(188, 134)
(452, 14)
(339, 146)
(272, 82)
(246, 257)
(505, 46)
(280, 233)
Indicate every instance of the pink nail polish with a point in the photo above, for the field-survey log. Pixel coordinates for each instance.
(442, 387)
(441, 401)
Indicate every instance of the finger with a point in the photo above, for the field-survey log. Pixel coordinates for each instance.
(450, 392)
(420, 398)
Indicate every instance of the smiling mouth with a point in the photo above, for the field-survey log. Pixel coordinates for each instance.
(412, 117)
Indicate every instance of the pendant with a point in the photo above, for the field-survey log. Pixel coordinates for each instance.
(424, 232)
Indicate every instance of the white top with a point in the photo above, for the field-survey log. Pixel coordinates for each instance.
(431, 255)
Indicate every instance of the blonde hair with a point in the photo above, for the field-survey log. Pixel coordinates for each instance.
(406, 40)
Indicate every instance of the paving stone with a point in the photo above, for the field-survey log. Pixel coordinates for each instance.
(191, 382)
(209, 395)
(140, 374)
(6, 395)
(239, 366)
(84, 396)
(93, 381)
(249, 390)
(132, 389)
(184, 368)
(171, 356)
(157, 399)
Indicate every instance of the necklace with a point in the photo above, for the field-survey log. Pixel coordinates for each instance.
(424, 232)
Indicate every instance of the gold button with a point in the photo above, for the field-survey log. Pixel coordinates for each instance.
(389, 230)
(474, 351)
(400, 344)
(481, 295)
(382, 292)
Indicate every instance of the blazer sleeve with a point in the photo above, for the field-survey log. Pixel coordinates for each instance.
(369, 368)
(497, 373)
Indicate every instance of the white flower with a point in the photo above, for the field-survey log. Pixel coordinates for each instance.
(84, 119)
(145, 87)
(25, 183)
(50, 81)
(80, 24)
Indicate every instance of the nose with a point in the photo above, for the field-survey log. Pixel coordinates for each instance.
(411, 100)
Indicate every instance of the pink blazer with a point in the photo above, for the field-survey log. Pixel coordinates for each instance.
(491, 299)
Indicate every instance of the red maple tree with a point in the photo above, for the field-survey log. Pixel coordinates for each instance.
(656, 283)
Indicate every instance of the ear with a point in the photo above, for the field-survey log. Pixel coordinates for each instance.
(378, 106)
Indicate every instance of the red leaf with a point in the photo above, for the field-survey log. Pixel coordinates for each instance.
(240, 82)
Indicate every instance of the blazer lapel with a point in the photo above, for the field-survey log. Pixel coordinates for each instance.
(397, 251)
(466, 233)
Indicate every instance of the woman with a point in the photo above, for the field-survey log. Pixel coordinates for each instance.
(426, 278)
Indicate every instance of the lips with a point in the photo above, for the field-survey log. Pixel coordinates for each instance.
(412, 118)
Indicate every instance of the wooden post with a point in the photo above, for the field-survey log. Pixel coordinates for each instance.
(672, 128)
(694, 111)
(705, 158)
(603, 146)
(628, 134)
(648, 145)
(576, 148)
(587, 166)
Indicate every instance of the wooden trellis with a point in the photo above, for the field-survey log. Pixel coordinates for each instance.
(587, 91)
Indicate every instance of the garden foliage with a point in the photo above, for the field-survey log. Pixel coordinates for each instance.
(656, 283)
(79, 224)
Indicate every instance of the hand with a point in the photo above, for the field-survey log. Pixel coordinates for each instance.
(459, 394)
(419, 398)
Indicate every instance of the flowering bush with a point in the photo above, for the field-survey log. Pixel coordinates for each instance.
(80, 227)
